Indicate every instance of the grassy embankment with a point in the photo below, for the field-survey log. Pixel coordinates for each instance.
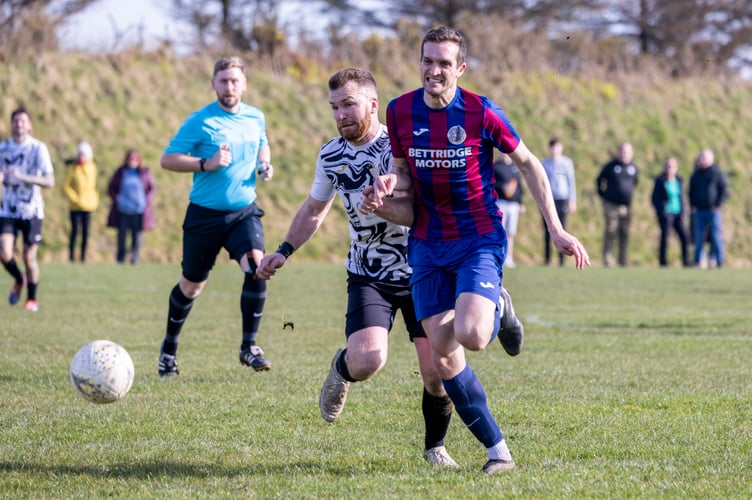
(139, 100)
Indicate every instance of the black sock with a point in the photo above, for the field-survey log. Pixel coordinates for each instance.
(13, 270)
(437, 411)
(31, 293)
(180, 306)
(341, 367)
(252, 300)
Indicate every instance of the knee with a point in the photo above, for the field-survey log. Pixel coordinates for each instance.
(191, 289)
(472, 338)
(363, 366)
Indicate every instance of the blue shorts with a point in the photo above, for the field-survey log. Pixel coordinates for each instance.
(443, 270)
(207, 231)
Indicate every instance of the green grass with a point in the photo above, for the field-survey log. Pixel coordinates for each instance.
(633, 383)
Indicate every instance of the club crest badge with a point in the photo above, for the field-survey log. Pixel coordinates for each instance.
(456, 135)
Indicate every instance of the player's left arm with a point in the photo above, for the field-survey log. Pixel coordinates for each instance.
(540, 190)
(264, 163)
(45, 179)
(43, 175)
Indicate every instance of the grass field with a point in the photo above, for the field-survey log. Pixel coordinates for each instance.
(633, 383)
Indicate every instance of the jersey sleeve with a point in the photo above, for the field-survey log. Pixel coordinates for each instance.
(44, 161)
(391, 125)
(498, 128)
(187, 139)
(322, 188)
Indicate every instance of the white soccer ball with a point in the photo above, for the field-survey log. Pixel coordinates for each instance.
(102, 372)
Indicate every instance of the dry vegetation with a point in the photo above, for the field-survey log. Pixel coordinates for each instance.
(136, 99)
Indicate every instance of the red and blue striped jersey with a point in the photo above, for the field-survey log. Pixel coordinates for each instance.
(450, 154)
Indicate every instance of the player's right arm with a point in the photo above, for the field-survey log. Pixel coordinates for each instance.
(305, 223)
(179, 162)
(385, 185)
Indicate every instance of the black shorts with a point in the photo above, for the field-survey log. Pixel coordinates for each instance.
(374, 303)
(207, 231)
(31, 229)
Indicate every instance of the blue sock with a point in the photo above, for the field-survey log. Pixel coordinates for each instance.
(469, 399)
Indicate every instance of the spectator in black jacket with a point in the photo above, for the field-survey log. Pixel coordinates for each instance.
(669, 209)
(615, 185)
(708, 191)
(508, 187)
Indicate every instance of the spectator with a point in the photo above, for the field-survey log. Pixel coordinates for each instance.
(708, 191)
(80, 188)
(25, 168)
(670, 210)
(508, 186)
(132, 191)
(615, 185)
(560, 172)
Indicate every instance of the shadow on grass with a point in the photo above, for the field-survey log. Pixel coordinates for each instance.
(153, 470)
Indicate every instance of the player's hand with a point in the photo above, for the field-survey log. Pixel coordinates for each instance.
(370, 201)
(384, 185)
(269, 265)
(373, 196)
(569, 245)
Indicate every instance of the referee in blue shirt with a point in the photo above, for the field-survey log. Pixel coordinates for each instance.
(225, 147)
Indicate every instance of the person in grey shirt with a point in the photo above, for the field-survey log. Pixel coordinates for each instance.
(560, 172)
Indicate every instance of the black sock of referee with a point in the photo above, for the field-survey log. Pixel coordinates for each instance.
(13, 270)
(180, 306)
(252, 300)
(437, 411)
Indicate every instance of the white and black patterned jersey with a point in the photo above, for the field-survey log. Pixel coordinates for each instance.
(22, 200)
(378, 248)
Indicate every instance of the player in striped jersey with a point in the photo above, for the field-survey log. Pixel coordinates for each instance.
(443, 139)
(378, 277)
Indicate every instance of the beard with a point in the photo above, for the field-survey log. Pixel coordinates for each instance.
(228, 101)
(355, 134)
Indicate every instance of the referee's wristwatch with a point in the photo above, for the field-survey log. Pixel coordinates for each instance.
(201, 164)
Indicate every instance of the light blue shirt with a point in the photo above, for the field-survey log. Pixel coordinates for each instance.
(132, 196)
(234, 186)
(560, 172)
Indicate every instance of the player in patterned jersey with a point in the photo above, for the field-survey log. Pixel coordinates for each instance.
(378, 274)
(25, 168)
(443, 139)
(225, 147)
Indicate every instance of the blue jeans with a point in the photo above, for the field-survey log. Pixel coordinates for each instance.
(708, 223)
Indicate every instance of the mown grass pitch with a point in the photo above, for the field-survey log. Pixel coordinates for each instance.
(633, 383)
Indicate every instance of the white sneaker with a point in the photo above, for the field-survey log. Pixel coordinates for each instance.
(440, 457)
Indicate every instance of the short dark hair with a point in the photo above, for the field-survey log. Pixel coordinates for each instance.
(362, 77)
(554, 140)
(227, 63)
(18, 111)
(446, 34)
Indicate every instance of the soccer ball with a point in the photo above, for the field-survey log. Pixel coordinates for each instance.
(102, 372)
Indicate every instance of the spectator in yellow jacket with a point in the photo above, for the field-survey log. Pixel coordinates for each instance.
(80, 188)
